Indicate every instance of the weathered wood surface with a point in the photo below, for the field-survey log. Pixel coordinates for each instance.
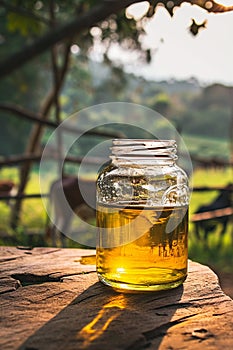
(50, 299)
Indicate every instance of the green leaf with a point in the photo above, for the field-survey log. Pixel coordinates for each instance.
(26, 26)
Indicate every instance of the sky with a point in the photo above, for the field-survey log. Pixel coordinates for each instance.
(177, 53)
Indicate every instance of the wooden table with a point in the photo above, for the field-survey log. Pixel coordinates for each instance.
(51, 299)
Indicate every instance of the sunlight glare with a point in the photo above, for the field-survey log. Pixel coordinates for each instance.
(120, 269)
(75, 49)
(137, 11)
(95, 31)
(225, 2)
(207, 56)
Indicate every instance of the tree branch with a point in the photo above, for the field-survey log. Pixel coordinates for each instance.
(15, 160)
(211, 6)
(23, 113)
(87, 20)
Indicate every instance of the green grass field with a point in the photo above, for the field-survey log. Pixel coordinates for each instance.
(207, 147)
(213, 255)
(33, 219)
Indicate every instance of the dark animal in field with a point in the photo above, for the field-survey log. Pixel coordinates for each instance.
(65, 198)
(7, 188)
(208, 218)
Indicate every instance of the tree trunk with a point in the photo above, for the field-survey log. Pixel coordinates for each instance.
(35, 137)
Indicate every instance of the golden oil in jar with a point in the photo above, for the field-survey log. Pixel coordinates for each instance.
(142, 217)
(142, 248)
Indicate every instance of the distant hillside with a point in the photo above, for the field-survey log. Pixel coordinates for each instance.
(101, 72)
(174, 86)
(200, 113)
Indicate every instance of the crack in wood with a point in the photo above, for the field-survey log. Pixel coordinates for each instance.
(39, 251)
(190, 303)
(48, 252)
(24, 247)
(2, 260)
(222, 313)
(56, 294)
(176, 305)
(212, 297)
(27, 279)
(76, 274)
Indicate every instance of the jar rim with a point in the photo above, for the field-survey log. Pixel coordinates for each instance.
(144, 148)
(170, 141)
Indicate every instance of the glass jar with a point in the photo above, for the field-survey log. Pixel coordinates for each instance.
(142, 217)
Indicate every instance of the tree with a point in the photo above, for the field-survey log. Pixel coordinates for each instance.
(87, 14)
(53, 26)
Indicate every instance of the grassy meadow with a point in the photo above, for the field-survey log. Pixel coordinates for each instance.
(219, 257)
(34, 218)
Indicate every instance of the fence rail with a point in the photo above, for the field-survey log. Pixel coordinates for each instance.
(212, 214)
(38, 195)
(10, 161)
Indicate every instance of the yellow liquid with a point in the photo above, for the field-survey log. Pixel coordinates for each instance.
(142, 248)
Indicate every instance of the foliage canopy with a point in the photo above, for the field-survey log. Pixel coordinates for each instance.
(45, 23)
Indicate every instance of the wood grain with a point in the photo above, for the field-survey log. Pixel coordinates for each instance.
(51, 299)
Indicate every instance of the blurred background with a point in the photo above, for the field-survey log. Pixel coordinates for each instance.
(57, 58)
